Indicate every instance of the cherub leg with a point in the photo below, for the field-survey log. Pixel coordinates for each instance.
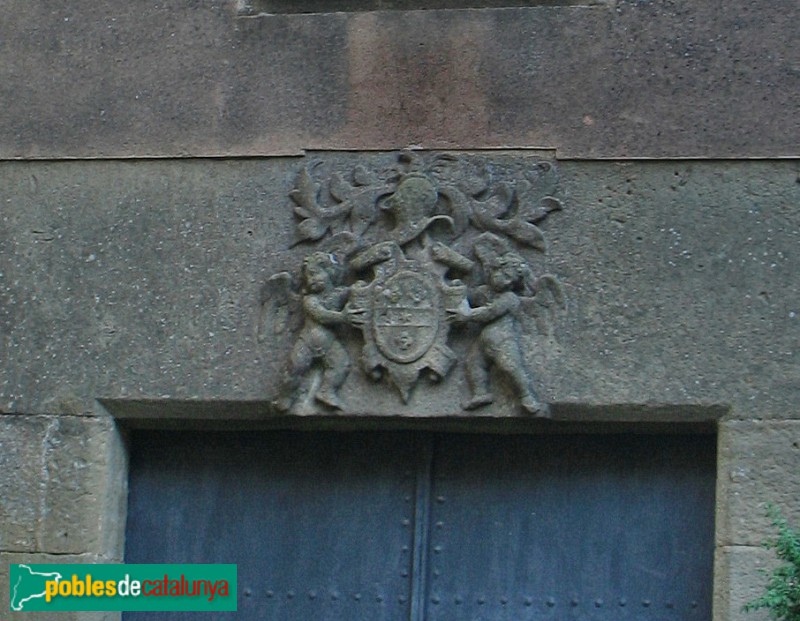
(477, 372)
(336, 368)
(300, 361)
(508, 357)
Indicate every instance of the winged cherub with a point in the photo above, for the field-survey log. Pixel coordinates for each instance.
(510, 282)
(317, 344)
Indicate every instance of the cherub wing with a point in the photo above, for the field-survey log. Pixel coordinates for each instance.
(548, 291)
(281, 305)
(547, 299)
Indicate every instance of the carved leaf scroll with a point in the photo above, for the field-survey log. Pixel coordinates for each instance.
(400, 254)
(315, 220)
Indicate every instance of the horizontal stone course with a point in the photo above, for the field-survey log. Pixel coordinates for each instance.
(143, 281)
(619, 79)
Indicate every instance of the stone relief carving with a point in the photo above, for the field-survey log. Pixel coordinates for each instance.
(323, 301)
(510, 283)
(404, 255)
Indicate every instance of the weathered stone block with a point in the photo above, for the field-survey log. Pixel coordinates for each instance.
(758, 464)
(617, 79)
(85, 487)
(681, 284)
(62, 485)
(7, 558)
(22, 485)
(144, 281)
(739, 578)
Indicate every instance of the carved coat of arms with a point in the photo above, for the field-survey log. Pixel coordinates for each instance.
(403, 255)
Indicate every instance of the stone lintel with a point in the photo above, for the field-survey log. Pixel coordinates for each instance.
(179, 282)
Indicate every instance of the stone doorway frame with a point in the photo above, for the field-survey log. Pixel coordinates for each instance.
(123, 416)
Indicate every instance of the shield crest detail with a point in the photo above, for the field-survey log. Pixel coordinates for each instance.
(405, 317)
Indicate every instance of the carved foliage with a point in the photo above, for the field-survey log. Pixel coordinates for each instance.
(403, 254)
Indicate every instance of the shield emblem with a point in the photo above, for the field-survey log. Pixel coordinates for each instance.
(405, 316)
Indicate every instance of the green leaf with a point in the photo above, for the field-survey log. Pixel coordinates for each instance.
(782, 595)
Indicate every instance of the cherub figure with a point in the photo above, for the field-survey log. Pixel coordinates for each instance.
(509, 283)
(317, 345)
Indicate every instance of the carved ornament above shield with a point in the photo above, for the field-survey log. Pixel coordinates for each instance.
(401, 257)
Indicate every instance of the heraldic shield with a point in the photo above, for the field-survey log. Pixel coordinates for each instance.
(403, 316)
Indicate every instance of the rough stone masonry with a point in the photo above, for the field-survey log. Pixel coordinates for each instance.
(150, 152)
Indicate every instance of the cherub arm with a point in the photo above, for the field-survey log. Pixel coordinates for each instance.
(376, 254)
(314, 308)
(451, 258)
(503, 304)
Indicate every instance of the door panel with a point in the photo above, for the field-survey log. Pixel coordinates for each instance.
(571, 527)
(320, 525)
(418, 526)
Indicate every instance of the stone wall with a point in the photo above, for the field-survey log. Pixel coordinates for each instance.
(667, 78)
(149, 151)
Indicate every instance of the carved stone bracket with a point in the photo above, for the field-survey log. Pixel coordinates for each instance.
(402, 256)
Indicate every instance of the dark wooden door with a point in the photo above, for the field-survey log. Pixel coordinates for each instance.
(436, 527)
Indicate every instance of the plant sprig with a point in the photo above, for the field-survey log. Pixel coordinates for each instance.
(782, 595)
